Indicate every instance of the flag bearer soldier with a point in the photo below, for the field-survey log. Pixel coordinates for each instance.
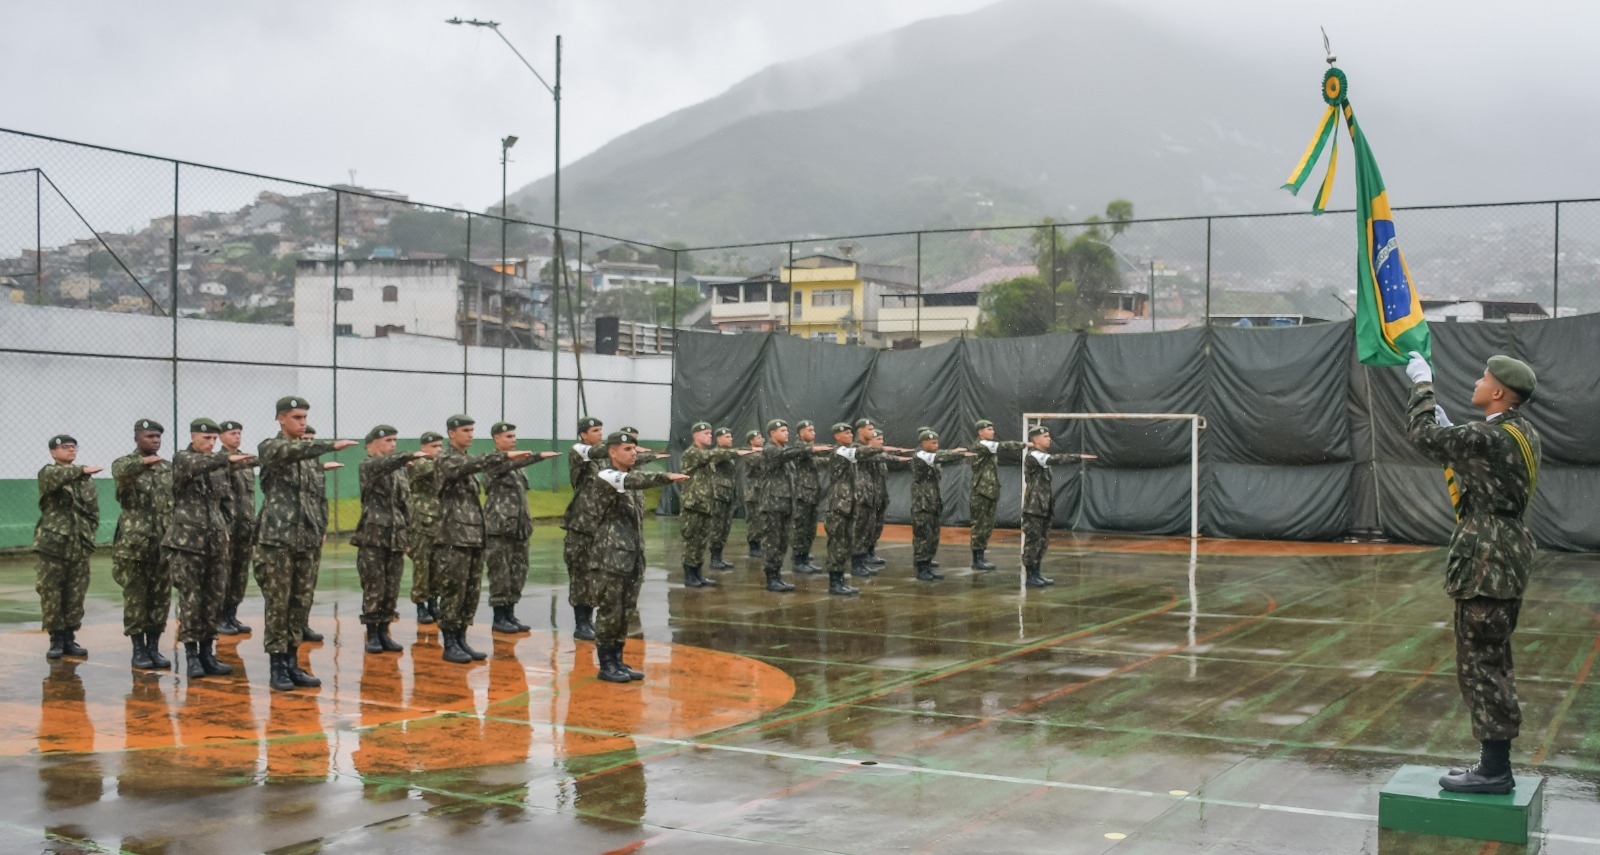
(807, 493)
(726, 478)
(705, 500)
(610, 515)
(320, 477)
(69, 516)
(380, 538)
(144, 490)
(458, 551)
(777, 496)
(422, 511)
(1496, 466)
(986, 488)
(196, 543)
(289, 533)
(580, 468)
(752, 489)
(242, 536)
(927, 501)
(507, 528)
(844, 487)
(1040, 506)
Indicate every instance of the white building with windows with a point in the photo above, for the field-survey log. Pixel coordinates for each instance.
(433, 298)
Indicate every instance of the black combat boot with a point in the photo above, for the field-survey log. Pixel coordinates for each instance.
(633, 673)
(610, 658)
(374, 644)
(858, 566)
(872, 558)
(461, 641)
(836, 584)
(775, 582)
(141, 655)
(452, 648)
(389, 644)
(511, 613)
(208, 660)
(1035, 580)
(755, 549)
(716, 560)
(693, 579)
(979, 562)
(424, 617)
(191, 658)
(802, 563)
(226, 626)
(239, 628)
(1491, 776)
(503, 622)
(299, 676)
(278, 674)
(925, 572)
(309, 634)
(152, 646)
(55, 645)
(583, 623)
(70, 645)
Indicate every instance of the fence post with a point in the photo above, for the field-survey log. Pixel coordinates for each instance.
(918, 326)
(38, 235)
(461, 315)
(674, 311)
(338, 232)
(788, 299)
(554, 326)
(1555, 273)
(505, 317)
(1053, 310)
(172, 286)
(1207, 318)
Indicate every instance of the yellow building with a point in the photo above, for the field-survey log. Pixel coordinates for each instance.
(840, 300)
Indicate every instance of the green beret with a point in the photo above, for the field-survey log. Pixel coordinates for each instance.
(204, 425)
(842, 427)
(1514, 374)
(501, 427)
(752, 434)
(148, 424)
(631, 431)
(588, 422)
(804, 423)
(61, 439)
(380, 432)
(722, 431)
(926, 434)
(865, 422)
(431, 437)
(292, 402)
(458, 420)
(774, 424)
(699, 426)
(617, 437)
(983, 423)
(231, 425)
(1036, 430)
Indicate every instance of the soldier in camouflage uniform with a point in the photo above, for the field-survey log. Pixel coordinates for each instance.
(927, 501)
(610, 515)
(458, 547)
(726, 477)
(776, 497)
(752, 486)
(507, 528)
(580, 586)
(986, 488)
(242, 539)
(380, 538)
(1496, 466)
(423, 511)
(704, 502)
(196, 543)
(843, 486)
(1039, 505)
(867, 488)
(144, 490)
(807, 493)
(289, 533)
(319, 478)
(69, 517)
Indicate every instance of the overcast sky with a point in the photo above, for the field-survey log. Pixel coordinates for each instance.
(310, 90)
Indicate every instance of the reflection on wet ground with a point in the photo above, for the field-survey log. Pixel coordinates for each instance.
(1245, 697)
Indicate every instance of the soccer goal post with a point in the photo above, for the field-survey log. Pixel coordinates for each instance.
(1196, 422)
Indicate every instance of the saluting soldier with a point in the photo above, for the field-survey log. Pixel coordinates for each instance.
(807, 493)
(289, 533)
(870, 481)
(380, 538)
(320, 480)
(507, 528)
(242, 537)
(1039, 508)
(843, 504)
(580, 587)
(144, 490)
(776, 497)
(985, 494)
(878, 470)
(610, 514)
(704, 500)
(196, 543)
(423, 516)
(1496, 466)
(752, 488)
(927, 500)
(69, 517)
(726, 476)
(458, 551)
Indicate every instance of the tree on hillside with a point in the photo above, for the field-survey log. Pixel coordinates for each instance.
(1084, 265)
(1014, 307)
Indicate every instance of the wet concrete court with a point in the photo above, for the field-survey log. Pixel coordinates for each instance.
(1252, 700)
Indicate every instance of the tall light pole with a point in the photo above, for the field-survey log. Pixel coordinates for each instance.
(505, 264)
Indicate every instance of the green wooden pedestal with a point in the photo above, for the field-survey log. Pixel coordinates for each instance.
(1412, 801)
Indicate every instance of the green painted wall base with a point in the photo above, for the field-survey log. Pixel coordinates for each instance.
(1412, 801)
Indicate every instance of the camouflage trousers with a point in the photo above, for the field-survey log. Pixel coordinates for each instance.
(202, 582)
(841, 541)
(288, 581)
(983, 508)
(754, 522)
(1483, 665)
(1035, 538)
(617, 598)
(421, 549)
(507, 558)
(380, 571)
(62, 583)
(458, 578)
(239, 554)
(146, 592)
(722, 523)
(925, 535)
(879, 514)
(697, 530)
(581, 583)
(805, 526)
(774, 540)
(865, 532)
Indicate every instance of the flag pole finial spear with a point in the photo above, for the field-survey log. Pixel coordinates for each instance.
(1327, 48)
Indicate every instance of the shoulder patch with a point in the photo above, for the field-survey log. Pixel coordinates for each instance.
(615, 479)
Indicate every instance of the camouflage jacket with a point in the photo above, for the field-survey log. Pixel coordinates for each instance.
(583, 462)
(294, 506)
(926, 497)
(202, 499)
(1492, 549)
(69, 512)
(754, 469)
(777, 476)
(725, 474)
(611, 516)
(505, 500)
(145, 494)
(807, 475)
(872, 482)
(242, 479)
(986, 466)
(844, 483)
(1041, 495)
(703, 491)
(423, 506)
(385, 493)
(460, 496)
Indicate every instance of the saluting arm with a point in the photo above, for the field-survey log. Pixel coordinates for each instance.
(57, 477)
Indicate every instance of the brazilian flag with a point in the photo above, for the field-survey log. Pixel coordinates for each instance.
(1389, 323)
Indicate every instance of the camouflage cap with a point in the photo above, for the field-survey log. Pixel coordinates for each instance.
(774, 424)
(230, 424)
(431, 437)
(617, 437)
(381, 432)
(1514, 374)
(865, 422)
(631, 431)
(982, 423)
(501, 427)
(926, 434)
(61, 439)
(148, 424)
(842, 427)
(722, 431)
(699, 426)
(458, 420)
(292, 402)
(204, 425)
(588, 422)
(751, 434)
(1037, 430)
(804, 423)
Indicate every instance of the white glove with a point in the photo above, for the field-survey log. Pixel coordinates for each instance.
(1440, 417)
(1417, 369)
